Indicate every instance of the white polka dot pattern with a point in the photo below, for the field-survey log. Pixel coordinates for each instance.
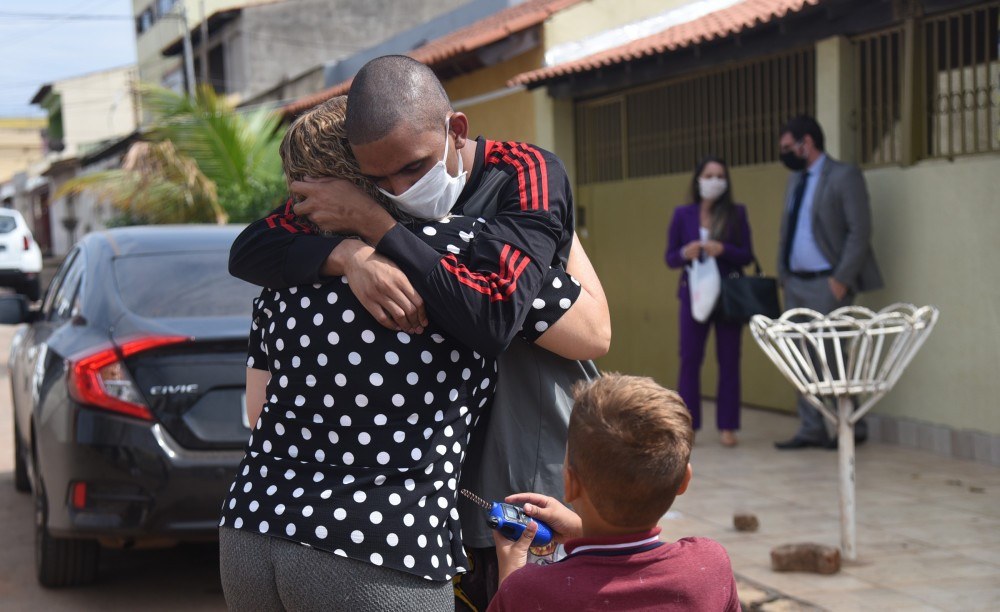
(356, 447)
(556, 296)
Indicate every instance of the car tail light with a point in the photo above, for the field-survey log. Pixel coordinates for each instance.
(101, 380)
(27, 243)
(78, 495)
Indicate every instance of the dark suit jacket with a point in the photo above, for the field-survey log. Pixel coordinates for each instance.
(738, 251)
(841, 224)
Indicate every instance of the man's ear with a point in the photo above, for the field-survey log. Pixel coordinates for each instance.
(808, 144)
(686, 481)
(571, 484)
(459, 126)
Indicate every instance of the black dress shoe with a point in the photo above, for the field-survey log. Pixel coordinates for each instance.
(797, 443)
(831, 444)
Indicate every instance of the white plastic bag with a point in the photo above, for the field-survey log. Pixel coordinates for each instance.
(705, 284)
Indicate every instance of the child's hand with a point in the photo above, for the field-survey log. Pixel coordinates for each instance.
(512, 556)
(564, 522)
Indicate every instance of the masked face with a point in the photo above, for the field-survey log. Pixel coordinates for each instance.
(435, 194)
(712, 188)
(792, 154)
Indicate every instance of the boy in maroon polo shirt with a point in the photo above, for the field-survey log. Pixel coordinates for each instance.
(626, 460)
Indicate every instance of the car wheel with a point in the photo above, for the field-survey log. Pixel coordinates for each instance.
(21, 481)
(61, 562)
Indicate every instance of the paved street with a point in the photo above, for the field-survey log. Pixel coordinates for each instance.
(186, 577)
(928, 527)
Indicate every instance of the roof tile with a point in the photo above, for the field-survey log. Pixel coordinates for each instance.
(484, 32)
(720, 24)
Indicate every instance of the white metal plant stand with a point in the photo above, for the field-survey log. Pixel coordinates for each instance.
(849, 358)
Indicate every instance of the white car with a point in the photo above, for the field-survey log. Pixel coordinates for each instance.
(20, 257)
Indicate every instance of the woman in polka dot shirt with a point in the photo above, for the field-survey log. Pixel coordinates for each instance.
(359, 434)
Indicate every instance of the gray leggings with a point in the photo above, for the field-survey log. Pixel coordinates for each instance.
(262, 573)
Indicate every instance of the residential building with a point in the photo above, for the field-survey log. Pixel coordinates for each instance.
(20, 144)
(85, 114)
(631, 94)
(87, 109)
(75, 215)
(30, 193)
(396, 40)
(252, 47)
(160, 22)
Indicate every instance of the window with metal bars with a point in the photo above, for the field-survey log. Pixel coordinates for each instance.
(878, 97)
(734, 112)
(962, 80)
(599, 141)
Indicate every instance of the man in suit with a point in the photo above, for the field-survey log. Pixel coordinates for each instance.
(824, 255)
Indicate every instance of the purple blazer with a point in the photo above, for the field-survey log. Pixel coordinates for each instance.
(738, 251)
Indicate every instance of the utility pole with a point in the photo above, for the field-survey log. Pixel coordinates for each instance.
(188, 52)
(203, 45)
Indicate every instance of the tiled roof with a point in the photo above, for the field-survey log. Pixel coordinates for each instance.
(484, 32)
(720, 24)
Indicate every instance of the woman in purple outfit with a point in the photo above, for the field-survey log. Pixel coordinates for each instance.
(711, 226)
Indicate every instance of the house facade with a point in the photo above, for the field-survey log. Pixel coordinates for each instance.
(248, 49)
(910, 91)
(86, 114)
(20, 144)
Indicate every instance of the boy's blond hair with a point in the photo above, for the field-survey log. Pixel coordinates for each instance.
(629, 444)
(315, 146)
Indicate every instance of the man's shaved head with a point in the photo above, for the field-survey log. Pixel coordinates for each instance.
(389, 90)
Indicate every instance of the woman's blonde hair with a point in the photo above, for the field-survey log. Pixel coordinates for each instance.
(316, 146)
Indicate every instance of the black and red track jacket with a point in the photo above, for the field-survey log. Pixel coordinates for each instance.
(521, 191)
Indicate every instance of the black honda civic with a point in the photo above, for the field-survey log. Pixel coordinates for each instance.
(128, 391)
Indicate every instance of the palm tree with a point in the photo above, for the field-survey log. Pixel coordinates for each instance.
(202, 162)
(154, 185)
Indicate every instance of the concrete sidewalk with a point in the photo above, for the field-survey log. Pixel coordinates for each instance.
(928, 527)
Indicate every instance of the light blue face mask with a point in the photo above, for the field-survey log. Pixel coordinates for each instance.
(434, 195)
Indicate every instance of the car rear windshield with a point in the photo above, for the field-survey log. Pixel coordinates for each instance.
(7, 224)
(192, 284)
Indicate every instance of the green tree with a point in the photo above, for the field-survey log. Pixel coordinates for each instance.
(201, 161)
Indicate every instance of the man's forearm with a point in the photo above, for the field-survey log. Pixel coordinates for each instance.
(279, 252)
(339, 260)
(373, 227)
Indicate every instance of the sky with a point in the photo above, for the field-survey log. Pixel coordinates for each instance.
(35, 51)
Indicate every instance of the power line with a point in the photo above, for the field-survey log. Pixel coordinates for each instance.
(62, 17)
(44, 30)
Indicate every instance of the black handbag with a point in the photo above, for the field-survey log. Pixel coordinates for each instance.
(742, 297)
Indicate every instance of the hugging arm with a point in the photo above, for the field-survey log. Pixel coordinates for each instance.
(258, 374)
(256, 394)
(484, 300)
(280, 251)
(578, 322)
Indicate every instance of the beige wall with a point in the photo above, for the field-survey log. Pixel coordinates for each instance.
(96, 107)
(916, 211)
(596, 16)
(20, 145)
(835, 95)
(626, 238)
(932, 223)
(150, 44)
(511, 117)
(936, 226)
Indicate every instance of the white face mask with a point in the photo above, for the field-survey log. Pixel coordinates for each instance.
(712, 188)
(435, 194)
